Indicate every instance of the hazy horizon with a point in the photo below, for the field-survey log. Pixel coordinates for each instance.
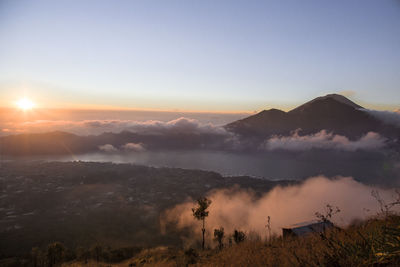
(225, 56)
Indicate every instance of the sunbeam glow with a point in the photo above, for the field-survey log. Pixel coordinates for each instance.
(25, 104)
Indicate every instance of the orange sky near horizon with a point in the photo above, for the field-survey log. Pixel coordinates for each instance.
(230, 56)
(46, 104)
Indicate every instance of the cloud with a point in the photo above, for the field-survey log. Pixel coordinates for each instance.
(324, 140)
(236, 208)
(95, 127)
(133, 147)
(108, 148)
(160, 134)
(180, 125)
(388, 117)
(348, 93)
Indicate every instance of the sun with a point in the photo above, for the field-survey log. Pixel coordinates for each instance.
(25, 104)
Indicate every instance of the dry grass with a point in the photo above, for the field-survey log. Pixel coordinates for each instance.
(376, 242)
(160, 256)
(372, 243)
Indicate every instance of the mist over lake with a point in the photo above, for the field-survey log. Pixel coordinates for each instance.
(367, 167)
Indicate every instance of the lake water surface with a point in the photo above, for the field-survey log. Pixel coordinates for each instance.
(264, 165)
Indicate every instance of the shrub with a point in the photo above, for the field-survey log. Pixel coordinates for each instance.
(239, 236)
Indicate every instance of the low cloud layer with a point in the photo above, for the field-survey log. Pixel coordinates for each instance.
(324, 140)
(186, 133)
(388, 117)
(90, 127)
(108, 148)
(128, 147)
(236, 208)
(133, 147)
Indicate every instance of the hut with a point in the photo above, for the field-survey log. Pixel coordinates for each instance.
(301, 229)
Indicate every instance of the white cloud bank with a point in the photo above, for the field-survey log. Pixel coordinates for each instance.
(133, 147)
(324, 140)
(180, 125)
(236, 208)
(217, 134)
(108, 148)
(129, 147)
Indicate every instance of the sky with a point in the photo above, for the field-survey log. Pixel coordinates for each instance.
(229, 56)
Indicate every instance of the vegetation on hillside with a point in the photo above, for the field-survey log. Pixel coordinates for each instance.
(375, 242)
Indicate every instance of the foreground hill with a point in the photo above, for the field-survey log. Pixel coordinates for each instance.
(333, 113)
(83, 203)
(371, 243)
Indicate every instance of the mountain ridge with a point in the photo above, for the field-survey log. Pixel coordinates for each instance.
(333, 113)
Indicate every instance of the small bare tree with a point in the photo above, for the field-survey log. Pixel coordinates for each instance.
(200, 213)
(386, 208)
(268, 226)
(329, 212)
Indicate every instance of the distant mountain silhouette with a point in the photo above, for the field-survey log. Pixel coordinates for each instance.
(53, 143)
(62, 143)
(334, 113)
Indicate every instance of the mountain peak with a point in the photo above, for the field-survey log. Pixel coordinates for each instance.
(336, 97)
(273, 111)
(341, 99)
(333, 113)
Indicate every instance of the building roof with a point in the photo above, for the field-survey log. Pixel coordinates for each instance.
(309, 227)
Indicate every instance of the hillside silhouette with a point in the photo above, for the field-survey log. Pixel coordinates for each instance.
(333, 113)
